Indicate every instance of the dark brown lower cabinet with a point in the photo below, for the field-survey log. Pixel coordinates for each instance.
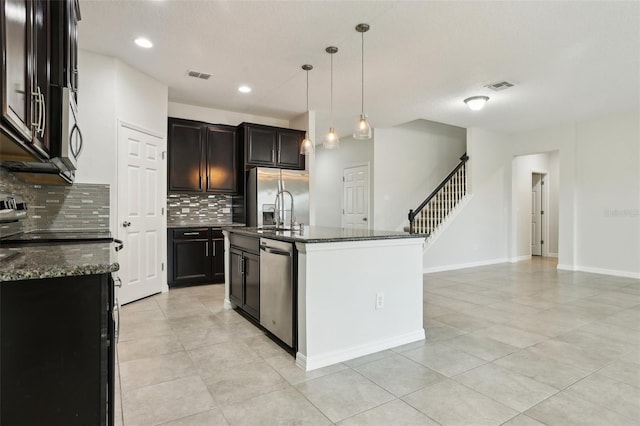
(244, 273)
(57, 351)
(195, 256)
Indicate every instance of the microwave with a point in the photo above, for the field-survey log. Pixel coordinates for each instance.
(66, 135)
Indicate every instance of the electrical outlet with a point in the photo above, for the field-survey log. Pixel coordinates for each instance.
(379, 300)
(185, 210)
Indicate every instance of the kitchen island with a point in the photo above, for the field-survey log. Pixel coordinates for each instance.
(358, 291)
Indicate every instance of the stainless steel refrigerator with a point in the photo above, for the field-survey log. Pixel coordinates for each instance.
(262, 187)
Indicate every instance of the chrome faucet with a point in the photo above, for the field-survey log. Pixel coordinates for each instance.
(278, 210)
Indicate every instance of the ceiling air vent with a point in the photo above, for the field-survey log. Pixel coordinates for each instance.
(496, 87)
(198, 74)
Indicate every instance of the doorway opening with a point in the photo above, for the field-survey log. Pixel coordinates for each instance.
(539, 228)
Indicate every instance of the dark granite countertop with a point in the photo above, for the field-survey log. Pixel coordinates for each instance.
(25, 262)
(204, 224)
(321, 234)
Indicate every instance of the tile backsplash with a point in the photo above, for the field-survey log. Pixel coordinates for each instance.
(193, 209)
(52, 207)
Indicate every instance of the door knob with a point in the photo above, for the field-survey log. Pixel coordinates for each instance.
(364, 219)
(126, 224)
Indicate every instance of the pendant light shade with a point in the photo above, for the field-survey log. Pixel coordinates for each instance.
(307, 145)
(363, 128)
(331, 140)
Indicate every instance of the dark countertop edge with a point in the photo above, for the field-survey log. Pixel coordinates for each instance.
(205, 225)
(254, 233)
(70, 271)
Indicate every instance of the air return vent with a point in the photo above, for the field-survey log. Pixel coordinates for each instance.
(198, 74)
(496, 87)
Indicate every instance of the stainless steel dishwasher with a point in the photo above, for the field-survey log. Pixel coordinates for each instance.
(276, 288)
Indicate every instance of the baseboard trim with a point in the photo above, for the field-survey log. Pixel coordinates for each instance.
(308, 363)
(520, 258)
(464, 265)
(603, 271)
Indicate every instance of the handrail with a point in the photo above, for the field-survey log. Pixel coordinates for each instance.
(414, 212)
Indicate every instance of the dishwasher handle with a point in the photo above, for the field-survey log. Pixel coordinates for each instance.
(275, 251)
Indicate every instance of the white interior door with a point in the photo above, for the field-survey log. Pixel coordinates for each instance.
(141, 189)
(536, 214)
(355, 198)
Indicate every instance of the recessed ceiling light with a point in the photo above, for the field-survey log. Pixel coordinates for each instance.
(244, 89)
(144, 42)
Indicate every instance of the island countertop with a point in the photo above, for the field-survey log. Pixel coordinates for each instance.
(25, 262)
(322, 234)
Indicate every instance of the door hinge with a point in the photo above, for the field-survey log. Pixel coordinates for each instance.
(164, 153)
(541, 182)
(342, 211)
(162, 266)
(541, 211)
(343, 178)
(162, 211)
(541, 241)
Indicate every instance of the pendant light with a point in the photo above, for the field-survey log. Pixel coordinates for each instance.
(331, 140)
(363, 128)
(306, 146)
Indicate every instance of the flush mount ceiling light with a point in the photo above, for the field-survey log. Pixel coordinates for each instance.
(331, 140)
(244, 89)
(143, 42)
(363, 128)
(476, 103)
(307, 145)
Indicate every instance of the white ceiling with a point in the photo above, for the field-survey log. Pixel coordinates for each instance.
(569, 60)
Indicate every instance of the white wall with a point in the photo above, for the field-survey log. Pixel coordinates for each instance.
(410, 161)
(523, 167)
(598, 201)
(608, 194)
(478, 234)
(329, 167)
(111, 90)
(218, 116)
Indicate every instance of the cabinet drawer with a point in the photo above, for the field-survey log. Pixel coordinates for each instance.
(190, 233)
(245, 243)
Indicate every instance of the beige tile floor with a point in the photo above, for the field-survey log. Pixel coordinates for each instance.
(509, 344)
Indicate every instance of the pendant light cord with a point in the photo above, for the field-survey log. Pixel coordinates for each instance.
(332, 90)
(362, 77)
(307, 92)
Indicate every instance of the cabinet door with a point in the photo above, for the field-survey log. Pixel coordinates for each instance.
(261, 146)
(289, 149)
(16, 84)
(217, 260)
(252, 285)
(191, 260)
(185, 153)
(236, 276)
(221, 160)
(40, 91)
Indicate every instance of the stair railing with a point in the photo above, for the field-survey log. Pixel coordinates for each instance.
(436, 207)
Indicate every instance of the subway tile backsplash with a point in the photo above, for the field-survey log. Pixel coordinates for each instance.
(193, 209)
(56, 208)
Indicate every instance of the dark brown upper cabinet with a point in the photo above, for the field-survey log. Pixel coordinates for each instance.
(221, 159)
(25, 75)
(202, 157)
(272, 146)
